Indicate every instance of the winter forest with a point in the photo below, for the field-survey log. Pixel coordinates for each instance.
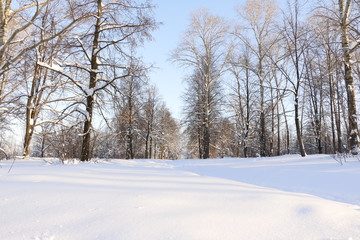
(276, 81)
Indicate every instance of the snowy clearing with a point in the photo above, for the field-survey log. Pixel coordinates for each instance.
(285, 197)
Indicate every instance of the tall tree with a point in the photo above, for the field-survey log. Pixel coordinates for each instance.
(344, 8)
(132, 88)
(43, 86)
(204, 50)
(259, 16)
(19, 28)
(242, 99)
(150, 108)
(296, 40)
(103, 53)
(166, 138)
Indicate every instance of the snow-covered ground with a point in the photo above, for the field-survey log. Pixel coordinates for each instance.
(285, 198)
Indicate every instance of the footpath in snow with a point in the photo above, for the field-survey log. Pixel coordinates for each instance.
(264, 198)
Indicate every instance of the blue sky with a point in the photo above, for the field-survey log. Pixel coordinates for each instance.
(175, 16)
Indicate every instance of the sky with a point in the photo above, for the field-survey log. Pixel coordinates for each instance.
(175, 17)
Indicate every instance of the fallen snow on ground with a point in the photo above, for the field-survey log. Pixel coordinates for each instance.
(285, 198)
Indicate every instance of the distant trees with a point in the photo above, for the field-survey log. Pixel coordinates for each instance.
(128, 113)
(144, 127)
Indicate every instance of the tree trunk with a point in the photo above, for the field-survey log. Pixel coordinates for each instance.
(150, 148)
(298, 128)
(278, 152)
(344, 8)
(85, 149)
(247, 124)
(130, 128)
(332, 108)
(200, 142)
(29, 130)
(129, 143)
(206, 142)
(271, 145)
(86, 140)
(338, 123)
(262, 109)
(4, 18)
(287, 147)
(43, 141)
(147, 139)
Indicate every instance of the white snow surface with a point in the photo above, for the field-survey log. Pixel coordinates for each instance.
(285, 198)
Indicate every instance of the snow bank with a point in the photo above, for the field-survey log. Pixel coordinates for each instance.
(154, 200)
(318, 175)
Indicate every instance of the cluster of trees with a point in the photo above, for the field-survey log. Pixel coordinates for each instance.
(67, 66)
(278, 82)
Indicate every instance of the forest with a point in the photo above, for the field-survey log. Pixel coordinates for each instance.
(279, 80)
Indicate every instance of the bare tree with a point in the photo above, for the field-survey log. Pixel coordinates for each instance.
(166, 141)
(344, 8)
(43, 86)
(242, 100)
(339, 30)
(103, 52)
(16, 19)
(328, 42)
(132, 88)
(296, 41)
(19, 25)
(204, 50)
(150, 108)
(257, 34)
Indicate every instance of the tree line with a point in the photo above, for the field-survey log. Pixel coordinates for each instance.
(276, 81)
(68, 66)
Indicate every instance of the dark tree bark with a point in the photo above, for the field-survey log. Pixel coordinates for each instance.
(85, 149)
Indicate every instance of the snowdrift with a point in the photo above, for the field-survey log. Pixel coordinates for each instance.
(276, 198)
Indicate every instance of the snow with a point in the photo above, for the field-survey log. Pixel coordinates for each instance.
(354, 44)
(89, 91)
(57, 68)
(285, 197)
(32, 121)
(54, 66)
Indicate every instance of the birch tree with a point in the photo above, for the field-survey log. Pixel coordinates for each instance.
(348, 47)
(341, 18)
(328, 42)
